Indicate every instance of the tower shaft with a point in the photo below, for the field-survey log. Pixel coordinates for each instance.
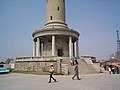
(118, 42)
(55, 10)
(55, 14)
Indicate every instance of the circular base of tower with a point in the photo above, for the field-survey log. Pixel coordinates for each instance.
(55, 42)
(55, 24)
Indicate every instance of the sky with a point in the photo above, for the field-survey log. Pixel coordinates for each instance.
(95, 20)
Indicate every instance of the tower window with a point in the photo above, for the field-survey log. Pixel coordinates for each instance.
(58, 8)
(51, 18)
(63, 0)
(47, 1)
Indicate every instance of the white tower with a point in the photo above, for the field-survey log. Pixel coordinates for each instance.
(55, 14)
(55, 39)
(54, 43)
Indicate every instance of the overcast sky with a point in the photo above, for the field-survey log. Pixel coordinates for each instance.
(95, 20)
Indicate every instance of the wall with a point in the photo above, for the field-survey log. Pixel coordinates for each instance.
(41, 66)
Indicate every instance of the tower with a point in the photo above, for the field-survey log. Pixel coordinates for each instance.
(55, 14)
(118, 46)
(55, 39)
(54, 43)
(118, 42)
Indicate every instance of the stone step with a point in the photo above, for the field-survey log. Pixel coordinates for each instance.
(84, 68)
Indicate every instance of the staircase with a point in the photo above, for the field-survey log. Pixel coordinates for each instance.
(84, 68)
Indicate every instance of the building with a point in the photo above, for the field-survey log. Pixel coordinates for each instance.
(55, 43)
(55, 39)
(91, 59)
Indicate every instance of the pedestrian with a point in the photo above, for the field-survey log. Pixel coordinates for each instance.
(76, 71)
(72, 62)
(51, 70)
(117, 69)
(113, 69)
(109, 69)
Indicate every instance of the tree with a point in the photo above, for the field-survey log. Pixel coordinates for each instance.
(9, 60)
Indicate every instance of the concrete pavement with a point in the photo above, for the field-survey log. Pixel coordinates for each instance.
(40, 82)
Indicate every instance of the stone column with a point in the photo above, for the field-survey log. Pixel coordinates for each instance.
(38, 47)
(73, 49)
(41, 49)
(70, 47)
(34, 48)
(53, 45)
(77, 48)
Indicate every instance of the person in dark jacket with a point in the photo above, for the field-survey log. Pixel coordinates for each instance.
(76, 71)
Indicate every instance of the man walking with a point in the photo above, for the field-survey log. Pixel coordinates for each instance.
(76, 71)
(51, 73)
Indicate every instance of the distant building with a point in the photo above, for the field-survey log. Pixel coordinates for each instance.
(91, 58)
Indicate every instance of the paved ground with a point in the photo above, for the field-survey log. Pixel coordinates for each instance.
(39, 82)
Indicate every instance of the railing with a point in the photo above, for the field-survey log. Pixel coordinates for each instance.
(43, 58)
